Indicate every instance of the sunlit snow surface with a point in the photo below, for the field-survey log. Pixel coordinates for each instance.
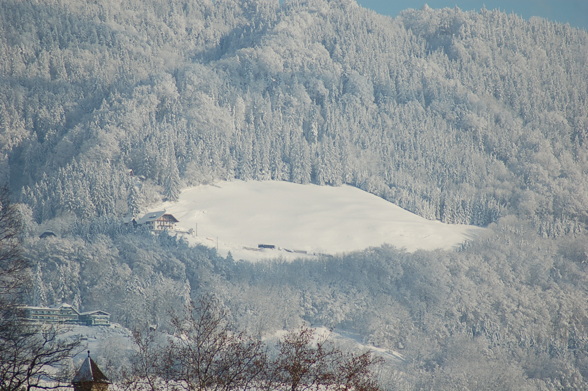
(298, 219)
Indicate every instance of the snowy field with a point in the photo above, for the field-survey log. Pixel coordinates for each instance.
(302, 221)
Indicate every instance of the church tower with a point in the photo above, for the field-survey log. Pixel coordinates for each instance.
(90, 377)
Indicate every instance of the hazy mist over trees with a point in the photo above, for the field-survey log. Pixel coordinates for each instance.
(465, 117)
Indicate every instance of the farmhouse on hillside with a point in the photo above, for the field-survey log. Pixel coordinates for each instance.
(158, 221)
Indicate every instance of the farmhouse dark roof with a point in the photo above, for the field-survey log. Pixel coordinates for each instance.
(89, 372)
(171, 218)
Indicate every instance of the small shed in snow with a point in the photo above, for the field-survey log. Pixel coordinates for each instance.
(47, 234)
(90, 377)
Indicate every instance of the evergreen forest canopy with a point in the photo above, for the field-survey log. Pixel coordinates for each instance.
(465, 117)
(458, 116)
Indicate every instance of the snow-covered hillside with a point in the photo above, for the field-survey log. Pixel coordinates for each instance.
(302, 220)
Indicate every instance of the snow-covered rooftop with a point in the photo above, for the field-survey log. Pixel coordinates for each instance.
(89, 372)
(150, 216)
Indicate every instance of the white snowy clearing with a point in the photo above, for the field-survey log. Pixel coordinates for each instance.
(302, 220)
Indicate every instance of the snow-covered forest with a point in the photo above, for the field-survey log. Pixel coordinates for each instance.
(465, 117)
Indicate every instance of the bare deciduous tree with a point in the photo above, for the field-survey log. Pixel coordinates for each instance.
(207, 355)
(150, 369)
(308, 362)
(355, 372)
(302, 363)
(32, 356)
